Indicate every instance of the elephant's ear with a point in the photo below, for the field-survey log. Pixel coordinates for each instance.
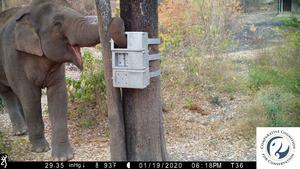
(26, 38)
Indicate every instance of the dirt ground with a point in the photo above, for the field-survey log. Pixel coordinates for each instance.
(208, 134)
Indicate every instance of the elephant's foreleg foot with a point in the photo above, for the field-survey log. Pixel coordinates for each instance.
(15, 111)
(40, 145)
(62, 152)
(57, 106)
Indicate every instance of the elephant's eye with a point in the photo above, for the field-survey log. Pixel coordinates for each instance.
(58, 20)
(57, 27)
(57, 24)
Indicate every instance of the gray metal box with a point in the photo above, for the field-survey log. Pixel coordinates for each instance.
(125, 59)
(131, 65)
(136, 41)
(137, 79)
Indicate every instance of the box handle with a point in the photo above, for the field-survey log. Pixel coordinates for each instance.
(154, 41)
(154, 57)
(155, 74)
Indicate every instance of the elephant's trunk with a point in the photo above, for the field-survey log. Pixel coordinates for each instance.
(83, 33)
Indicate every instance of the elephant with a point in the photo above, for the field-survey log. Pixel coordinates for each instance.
(35, 43)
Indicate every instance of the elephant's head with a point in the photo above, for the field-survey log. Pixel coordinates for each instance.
(50, 28)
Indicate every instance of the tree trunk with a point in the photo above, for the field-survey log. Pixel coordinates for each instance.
(114, 103)
(143, 108)
(2, 5)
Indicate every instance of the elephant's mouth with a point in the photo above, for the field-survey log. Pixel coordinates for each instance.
(77, 59)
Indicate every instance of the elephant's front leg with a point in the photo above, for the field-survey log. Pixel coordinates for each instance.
(15, 112)
(30, 97)
(57, 105)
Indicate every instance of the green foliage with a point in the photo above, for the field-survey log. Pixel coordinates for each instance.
(266, 76)
(275, 80)
(280, 107)
(262, 76)
(91, 83)
(171, 41)
(290, 22)
(191, 65)
(88, 95)
(5, 144)
(279, 68)
(232, 85)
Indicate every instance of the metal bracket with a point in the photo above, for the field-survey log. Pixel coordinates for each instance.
(154, 41)
(154, 57)
(155, 74)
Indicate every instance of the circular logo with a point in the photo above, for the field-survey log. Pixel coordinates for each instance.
(278, 147)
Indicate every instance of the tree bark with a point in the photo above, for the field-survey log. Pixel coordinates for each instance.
(2, 5)
(114, 102)
(143, 108)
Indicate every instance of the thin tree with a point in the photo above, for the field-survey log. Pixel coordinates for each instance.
(2, 5)
(115, 111)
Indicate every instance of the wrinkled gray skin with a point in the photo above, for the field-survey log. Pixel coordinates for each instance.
(35, 42)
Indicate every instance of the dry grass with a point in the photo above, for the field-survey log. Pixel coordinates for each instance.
(204, 89)
(202, 24)
(195, 33)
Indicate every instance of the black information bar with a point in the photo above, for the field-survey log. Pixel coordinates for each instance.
(133, 165)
